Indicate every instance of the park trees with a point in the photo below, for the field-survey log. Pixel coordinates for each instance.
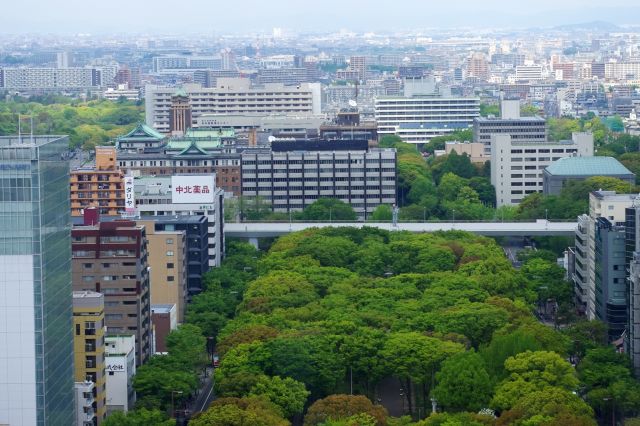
(288, 394)
(463, 383)
(531, 372)
(336, 407)
(258, 411)
(327, 209)
(328, 310)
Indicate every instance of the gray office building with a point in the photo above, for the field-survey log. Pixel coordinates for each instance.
(294, 174)
(36, 344)
(521, 129)
(610, 277)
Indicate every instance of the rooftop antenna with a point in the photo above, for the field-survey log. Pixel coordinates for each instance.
(31, 136)
(19, 130)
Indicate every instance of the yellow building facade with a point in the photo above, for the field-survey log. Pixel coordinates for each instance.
(89, 349)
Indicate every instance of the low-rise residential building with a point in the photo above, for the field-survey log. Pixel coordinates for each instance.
(164, 322)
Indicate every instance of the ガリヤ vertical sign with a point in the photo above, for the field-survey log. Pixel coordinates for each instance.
(129, 196)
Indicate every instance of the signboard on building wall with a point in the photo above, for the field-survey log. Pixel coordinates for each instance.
(192, 189)
(129, 196)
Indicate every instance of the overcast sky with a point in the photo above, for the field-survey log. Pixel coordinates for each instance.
(175, 16)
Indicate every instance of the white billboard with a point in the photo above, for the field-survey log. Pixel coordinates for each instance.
(192, 189)
(129, 195)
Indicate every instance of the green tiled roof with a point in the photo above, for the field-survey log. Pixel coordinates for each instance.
(200, 144)
(589, 166)
(142, 130)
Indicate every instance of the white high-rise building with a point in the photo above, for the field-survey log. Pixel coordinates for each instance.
(425, 111)
(516, 167)
(232, 96)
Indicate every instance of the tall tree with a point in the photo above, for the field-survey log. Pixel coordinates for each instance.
(463, 383)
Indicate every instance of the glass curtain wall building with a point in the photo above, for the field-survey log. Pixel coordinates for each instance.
(36, 343)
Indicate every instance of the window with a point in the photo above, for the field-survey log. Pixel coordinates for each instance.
(169, 241)
(169, 265)
(87, 265)
(169, 253)
(171, 278)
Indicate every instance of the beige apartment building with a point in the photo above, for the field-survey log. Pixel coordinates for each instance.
(101, 186)
(168, 263)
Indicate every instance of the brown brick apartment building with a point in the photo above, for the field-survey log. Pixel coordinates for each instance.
(112, 258)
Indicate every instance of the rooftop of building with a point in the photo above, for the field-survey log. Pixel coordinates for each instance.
(590, 166)
(163, 308)
(435, 125)
(87, 294)
(205, 132)
(193, 219)
(28, 141)
(535, 119)
(613, 196)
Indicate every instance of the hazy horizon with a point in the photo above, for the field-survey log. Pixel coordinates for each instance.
(192, 16)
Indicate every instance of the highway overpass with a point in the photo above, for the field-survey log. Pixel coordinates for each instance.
(539, 228)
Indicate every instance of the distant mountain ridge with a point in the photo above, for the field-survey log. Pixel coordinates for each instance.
(588, 26)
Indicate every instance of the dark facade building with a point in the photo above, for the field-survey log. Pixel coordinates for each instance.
(348, 126)
(610, 277)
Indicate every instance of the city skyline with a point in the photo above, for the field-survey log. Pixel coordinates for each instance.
(70, 16)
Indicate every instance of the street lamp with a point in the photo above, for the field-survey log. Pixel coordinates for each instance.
(613, 409)
(454, 215)
(424, 215)
(174, 392)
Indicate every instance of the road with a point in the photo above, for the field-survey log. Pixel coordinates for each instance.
(204, 398)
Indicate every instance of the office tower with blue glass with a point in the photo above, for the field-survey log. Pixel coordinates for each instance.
(36, 342)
